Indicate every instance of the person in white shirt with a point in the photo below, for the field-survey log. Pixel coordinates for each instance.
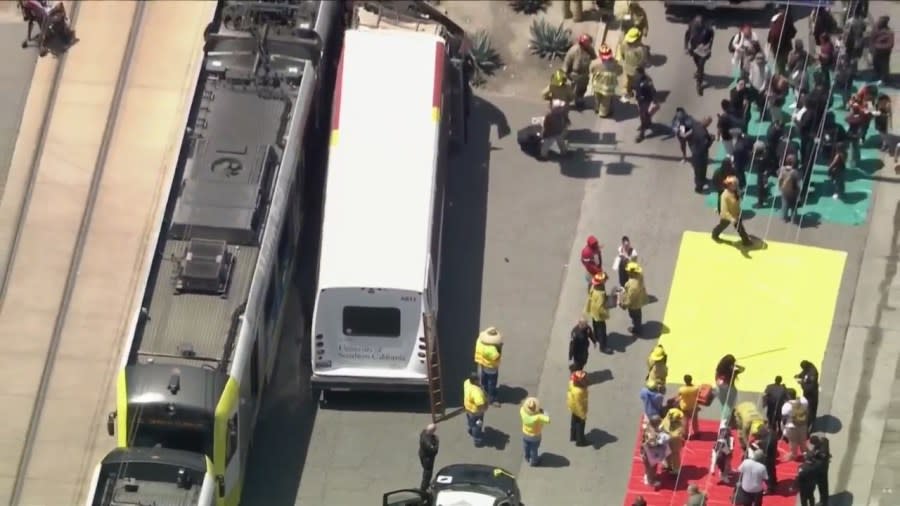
(742, 46)
(625, 254)
(753, 476)
(794, 414)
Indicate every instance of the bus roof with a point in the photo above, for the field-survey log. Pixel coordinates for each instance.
(381, 170)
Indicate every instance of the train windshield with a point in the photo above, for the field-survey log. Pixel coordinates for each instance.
(152, 426)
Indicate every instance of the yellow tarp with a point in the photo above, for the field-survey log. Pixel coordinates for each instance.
(769, 307)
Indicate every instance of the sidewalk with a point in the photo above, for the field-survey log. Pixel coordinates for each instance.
(866, 400)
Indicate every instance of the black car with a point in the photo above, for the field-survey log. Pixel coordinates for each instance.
(472, 484)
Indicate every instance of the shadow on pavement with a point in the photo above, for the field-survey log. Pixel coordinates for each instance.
(600, 438)
(494, 438)
(510, 394)
(463, 247)
(597, 377)
(829, 424)
(844, 498)
(553, 460)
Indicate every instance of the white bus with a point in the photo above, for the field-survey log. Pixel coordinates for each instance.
(397, 104)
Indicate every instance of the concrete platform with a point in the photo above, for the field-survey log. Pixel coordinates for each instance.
(70, 438)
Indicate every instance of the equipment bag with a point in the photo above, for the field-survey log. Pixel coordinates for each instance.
(705, 395)
(529, 139)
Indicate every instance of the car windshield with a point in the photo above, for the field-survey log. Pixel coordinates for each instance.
(477, 488)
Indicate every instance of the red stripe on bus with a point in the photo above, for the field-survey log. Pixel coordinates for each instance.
(438, 75)
(336, 99)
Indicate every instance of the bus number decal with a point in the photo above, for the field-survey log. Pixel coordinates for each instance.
(407, 298)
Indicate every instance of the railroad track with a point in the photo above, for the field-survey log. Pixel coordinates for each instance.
(29, 271)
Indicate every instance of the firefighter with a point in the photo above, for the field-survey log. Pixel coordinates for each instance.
(577, 400)
(633, 55)
(488, 349)
(559, 88)
(577, 63)
(657, 370)
(605, 73)
(596, 309)
(475, 405)
(634, 297)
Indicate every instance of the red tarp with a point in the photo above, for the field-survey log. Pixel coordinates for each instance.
(695, 462)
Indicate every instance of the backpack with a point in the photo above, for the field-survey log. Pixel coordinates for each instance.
(798, 413)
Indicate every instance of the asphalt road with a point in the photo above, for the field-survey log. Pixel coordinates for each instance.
(514, 227)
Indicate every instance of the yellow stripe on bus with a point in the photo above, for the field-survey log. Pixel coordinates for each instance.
(435, 114)
(334, 137)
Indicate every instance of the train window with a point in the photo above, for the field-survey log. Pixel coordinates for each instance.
(254, 368)
(362, 321)
(269, 309)
(232, 440)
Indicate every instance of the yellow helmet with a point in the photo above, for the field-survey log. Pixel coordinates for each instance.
(558, 78)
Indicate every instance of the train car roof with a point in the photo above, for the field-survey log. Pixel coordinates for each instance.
(378, 198)
(131, 476)
(226, 181)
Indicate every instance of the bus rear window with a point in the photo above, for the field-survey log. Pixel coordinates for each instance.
(360, 321)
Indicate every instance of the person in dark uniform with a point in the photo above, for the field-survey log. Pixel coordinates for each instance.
(698, 41)
(580, 341)
(808, 377)
(700, 141)
(768, 443)
(774, 397)
(806, 480)
(822, 453)
(428, 449)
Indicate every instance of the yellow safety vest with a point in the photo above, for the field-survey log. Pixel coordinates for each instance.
(487, 355)
(532, 425)
(473, 398)
(577, 400)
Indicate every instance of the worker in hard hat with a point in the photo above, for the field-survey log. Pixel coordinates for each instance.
(605, 72)
(577, 63)
(656, 366)
(632, 54)
(577, 401)
(596, 309)
(475, 404)
(750, 422)
(560, 88)
(673, 425)
(488, 349)
(634, 297)
(533, 421)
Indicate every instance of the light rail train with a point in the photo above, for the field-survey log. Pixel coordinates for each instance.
(203, 343)
(400, 105)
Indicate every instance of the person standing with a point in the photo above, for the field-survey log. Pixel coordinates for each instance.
(645, 95)
(822, 455)
(533, 421)
(673, 425)
(654, 450)
(760, 79)
(722, 452)
(836, 170)
(555, 126)
(626, 253)
(698, 41)
(576, 64)
(475, 405)
(768, 443)
(808, 378)
(634, 297)
(795, 415)
(773, 399)
(657, 370)
(577, 401)
(725, 170)
(682, 124)
(789, 185)
(488, 352)
(632, 54)
(882, 43)
(687, 403)
(580, 340)
(730, 212)
(428, 450)
(742, 46)
(760, 163)
(751, 484)
(806, 480)
(592, 259)
(781, 32)
(652, 399)
(700, 141)
(727, 372)
(741, 156)
(596, 308)
(605, 73)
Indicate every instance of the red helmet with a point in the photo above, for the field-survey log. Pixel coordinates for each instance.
(585, 40)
